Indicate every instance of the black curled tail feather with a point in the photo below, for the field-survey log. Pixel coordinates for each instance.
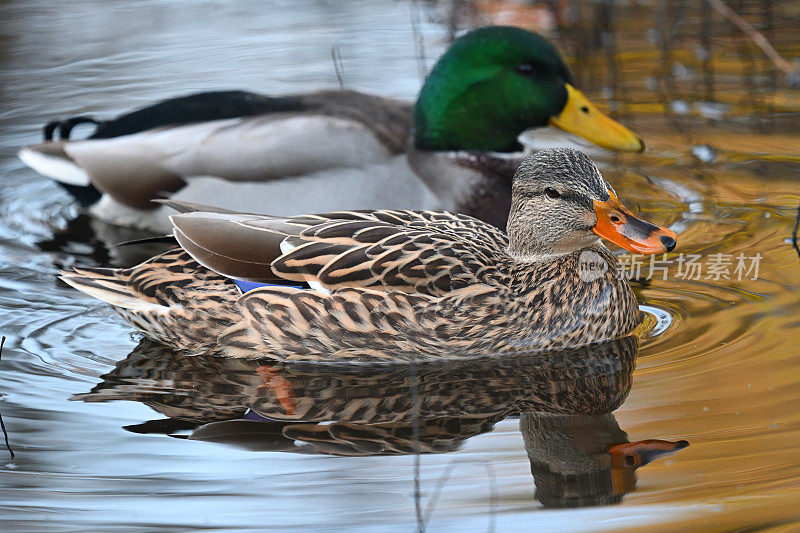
(64, 127)
(85, 195)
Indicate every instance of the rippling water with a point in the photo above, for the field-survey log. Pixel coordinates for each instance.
(168, 443)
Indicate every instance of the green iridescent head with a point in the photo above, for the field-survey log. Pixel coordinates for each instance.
(495, 82)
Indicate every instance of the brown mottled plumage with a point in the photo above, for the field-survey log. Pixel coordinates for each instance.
(393, 285)
(434, 407)
(590, 380)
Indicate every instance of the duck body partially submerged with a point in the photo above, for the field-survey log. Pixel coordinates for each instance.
(387, 285)
(455, 149)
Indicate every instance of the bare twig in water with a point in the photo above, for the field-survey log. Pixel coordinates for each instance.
(419, 42)
(756, 36)
(423, 519)
(415, 411)
(671, 17)
(705, 43)
(336, 56)
(2, 425)
(605, 26)
(794, 232)
(446, 476)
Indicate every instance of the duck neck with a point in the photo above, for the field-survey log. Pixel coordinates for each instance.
(527, 245)
(473, 183)
(531, 270)
(454, 133)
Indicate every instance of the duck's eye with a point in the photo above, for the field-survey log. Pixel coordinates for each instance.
(552, 193)
(526, 69)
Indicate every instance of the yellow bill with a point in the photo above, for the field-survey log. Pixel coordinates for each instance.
(581, 117)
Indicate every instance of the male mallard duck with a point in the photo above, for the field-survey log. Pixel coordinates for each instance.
(397, 285)
(490, 85)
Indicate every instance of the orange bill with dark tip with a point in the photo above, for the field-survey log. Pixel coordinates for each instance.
(618, 225)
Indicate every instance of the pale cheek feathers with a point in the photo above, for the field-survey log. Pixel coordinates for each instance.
(590, 218)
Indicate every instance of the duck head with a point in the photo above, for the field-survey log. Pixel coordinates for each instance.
(560, 203)
(582, 460)
(493, 83)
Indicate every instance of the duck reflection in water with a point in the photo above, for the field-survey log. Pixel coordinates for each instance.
(584, 460)
(578, 454)
(88, 241)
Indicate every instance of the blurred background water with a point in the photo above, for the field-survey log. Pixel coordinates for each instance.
(721, 123)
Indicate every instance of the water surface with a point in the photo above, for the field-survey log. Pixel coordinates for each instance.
(147, 446)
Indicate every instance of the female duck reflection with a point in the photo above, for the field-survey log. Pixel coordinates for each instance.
(579, 456)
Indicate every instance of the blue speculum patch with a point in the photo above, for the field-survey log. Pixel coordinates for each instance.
(247, 286)
(252, 415)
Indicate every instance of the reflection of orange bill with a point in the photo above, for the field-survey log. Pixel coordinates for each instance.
(625, 229)
(628, 456)
(581, 117)
(642, 452)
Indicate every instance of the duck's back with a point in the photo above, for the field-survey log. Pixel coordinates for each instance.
(390, 119)
(200, 147)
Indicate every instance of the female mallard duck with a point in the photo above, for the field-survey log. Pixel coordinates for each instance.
(395, 285)
(491, 84)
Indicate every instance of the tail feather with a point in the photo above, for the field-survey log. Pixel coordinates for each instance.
(169, 298)
(192, 207)
(64, 127)
(52, 161)
(111, 290)
(93, 272)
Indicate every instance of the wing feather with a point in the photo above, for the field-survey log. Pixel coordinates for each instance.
(422, 252)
